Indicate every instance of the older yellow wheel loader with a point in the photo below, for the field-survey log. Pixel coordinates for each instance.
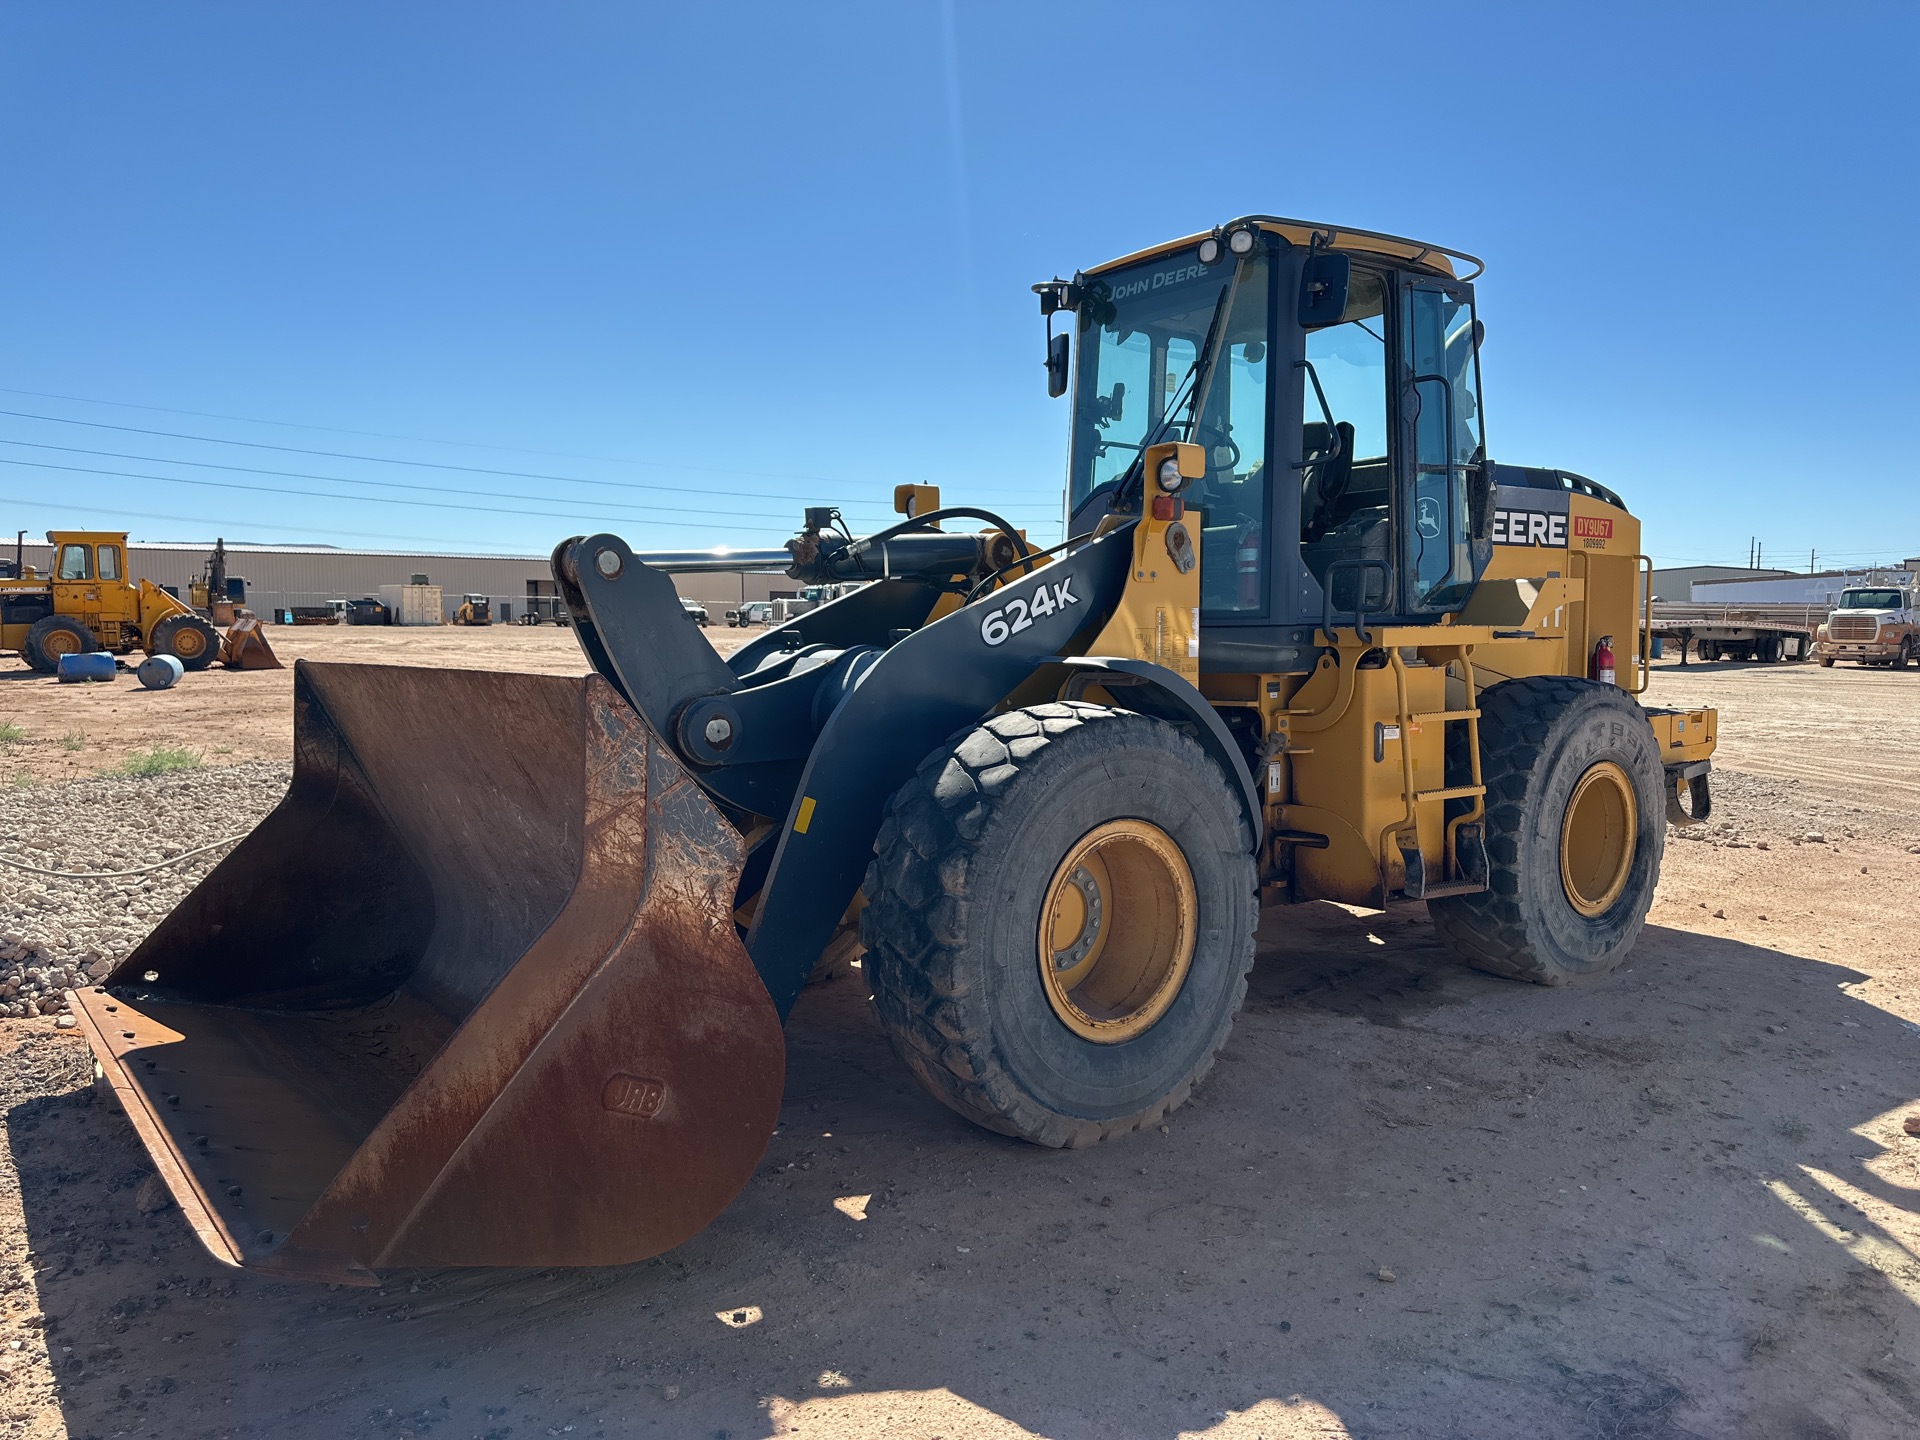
(464, 1001)
(89, 603)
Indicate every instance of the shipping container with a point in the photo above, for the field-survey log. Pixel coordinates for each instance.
(413, 604)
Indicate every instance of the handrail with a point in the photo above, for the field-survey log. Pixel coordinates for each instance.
(1643, 648)
(1359, 612)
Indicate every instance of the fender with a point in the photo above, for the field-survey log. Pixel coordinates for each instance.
(1151, 689)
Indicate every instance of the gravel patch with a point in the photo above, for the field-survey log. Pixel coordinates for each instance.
(56, 934)
(1764, 812)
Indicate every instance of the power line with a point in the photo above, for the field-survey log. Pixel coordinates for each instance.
(225, 524)
(389, 435)
(420, 464)
(370, 499)
(325, 429)
(788, 517)
(346, 480)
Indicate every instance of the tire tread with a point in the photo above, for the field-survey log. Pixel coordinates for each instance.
(916, 921)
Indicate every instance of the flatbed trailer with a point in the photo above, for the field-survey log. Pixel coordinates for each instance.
(1753, 631)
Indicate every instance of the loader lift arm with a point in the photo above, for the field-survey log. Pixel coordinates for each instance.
(810, 728)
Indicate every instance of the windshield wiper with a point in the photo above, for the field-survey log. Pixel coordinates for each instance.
(1194, 400)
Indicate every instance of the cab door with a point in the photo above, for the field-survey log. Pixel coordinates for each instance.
(119, 598)
(1443, 449)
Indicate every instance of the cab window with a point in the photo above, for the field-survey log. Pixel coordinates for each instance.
(109, 562)
(1346, 489)
(76, 563)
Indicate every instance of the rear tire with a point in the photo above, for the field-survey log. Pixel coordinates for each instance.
(188, 638)
(1064, 817)
(52, 636)
(1576, 829)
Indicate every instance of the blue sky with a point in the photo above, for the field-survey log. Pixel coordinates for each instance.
(729, 260)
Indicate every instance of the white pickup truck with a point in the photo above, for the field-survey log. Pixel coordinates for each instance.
(1873, 624)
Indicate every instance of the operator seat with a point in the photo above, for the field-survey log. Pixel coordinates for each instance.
(1329, 535)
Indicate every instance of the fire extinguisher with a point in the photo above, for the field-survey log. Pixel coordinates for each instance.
(1603, 668)
(1248, 564)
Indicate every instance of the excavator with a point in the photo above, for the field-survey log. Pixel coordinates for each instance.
(464, 1001)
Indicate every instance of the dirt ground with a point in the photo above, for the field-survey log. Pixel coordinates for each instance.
(1411, 1199)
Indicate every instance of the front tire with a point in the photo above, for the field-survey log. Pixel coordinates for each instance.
(52, 636)
(188, 638)
(1576, 829)
(1060, 921)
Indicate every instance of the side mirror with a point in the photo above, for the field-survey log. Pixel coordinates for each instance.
(1324, 282)
(1059, 363)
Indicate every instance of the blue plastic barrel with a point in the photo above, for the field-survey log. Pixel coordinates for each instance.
(97, 665)
(159, 672)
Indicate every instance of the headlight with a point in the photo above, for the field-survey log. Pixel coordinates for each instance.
(1171, 480)
(1210, 250)
(1240, 242)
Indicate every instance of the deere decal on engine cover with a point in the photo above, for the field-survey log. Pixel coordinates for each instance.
(1523, 516)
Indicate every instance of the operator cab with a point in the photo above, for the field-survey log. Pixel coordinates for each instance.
(85, 559)
(1332, 380)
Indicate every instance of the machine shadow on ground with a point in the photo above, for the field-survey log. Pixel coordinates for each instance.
(1665, 1203)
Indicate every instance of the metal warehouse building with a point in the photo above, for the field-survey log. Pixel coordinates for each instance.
(284, 576)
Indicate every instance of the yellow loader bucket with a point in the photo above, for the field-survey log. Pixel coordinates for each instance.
(472, 995)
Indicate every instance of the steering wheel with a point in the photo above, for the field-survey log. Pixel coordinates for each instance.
(1214, 438)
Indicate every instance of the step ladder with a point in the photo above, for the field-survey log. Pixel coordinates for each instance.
(1466, 864)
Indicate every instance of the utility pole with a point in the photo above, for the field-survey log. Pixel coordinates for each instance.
(1812, 557)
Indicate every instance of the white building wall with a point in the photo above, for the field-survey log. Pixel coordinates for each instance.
(1794, 589)
(281, 577)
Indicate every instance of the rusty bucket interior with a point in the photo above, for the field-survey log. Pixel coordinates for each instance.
(471, 995)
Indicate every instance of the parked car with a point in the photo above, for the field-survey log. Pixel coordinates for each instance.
(696, 612)
(754, 612)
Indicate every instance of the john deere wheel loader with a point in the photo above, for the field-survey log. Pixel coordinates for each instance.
(465, 1000)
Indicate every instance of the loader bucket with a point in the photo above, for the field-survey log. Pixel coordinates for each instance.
(245, 647)
(471, 995)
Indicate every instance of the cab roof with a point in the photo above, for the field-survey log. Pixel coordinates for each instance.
(1337, 237)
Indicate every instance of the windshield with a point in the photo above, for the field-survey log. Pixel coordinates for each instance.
(1141, 329)
(1870, 600)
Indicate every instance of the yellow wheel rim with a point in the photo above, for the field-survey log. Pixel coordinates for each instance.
(1117, 931)
(1597, 838)
(61, 642)
(189, 643)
